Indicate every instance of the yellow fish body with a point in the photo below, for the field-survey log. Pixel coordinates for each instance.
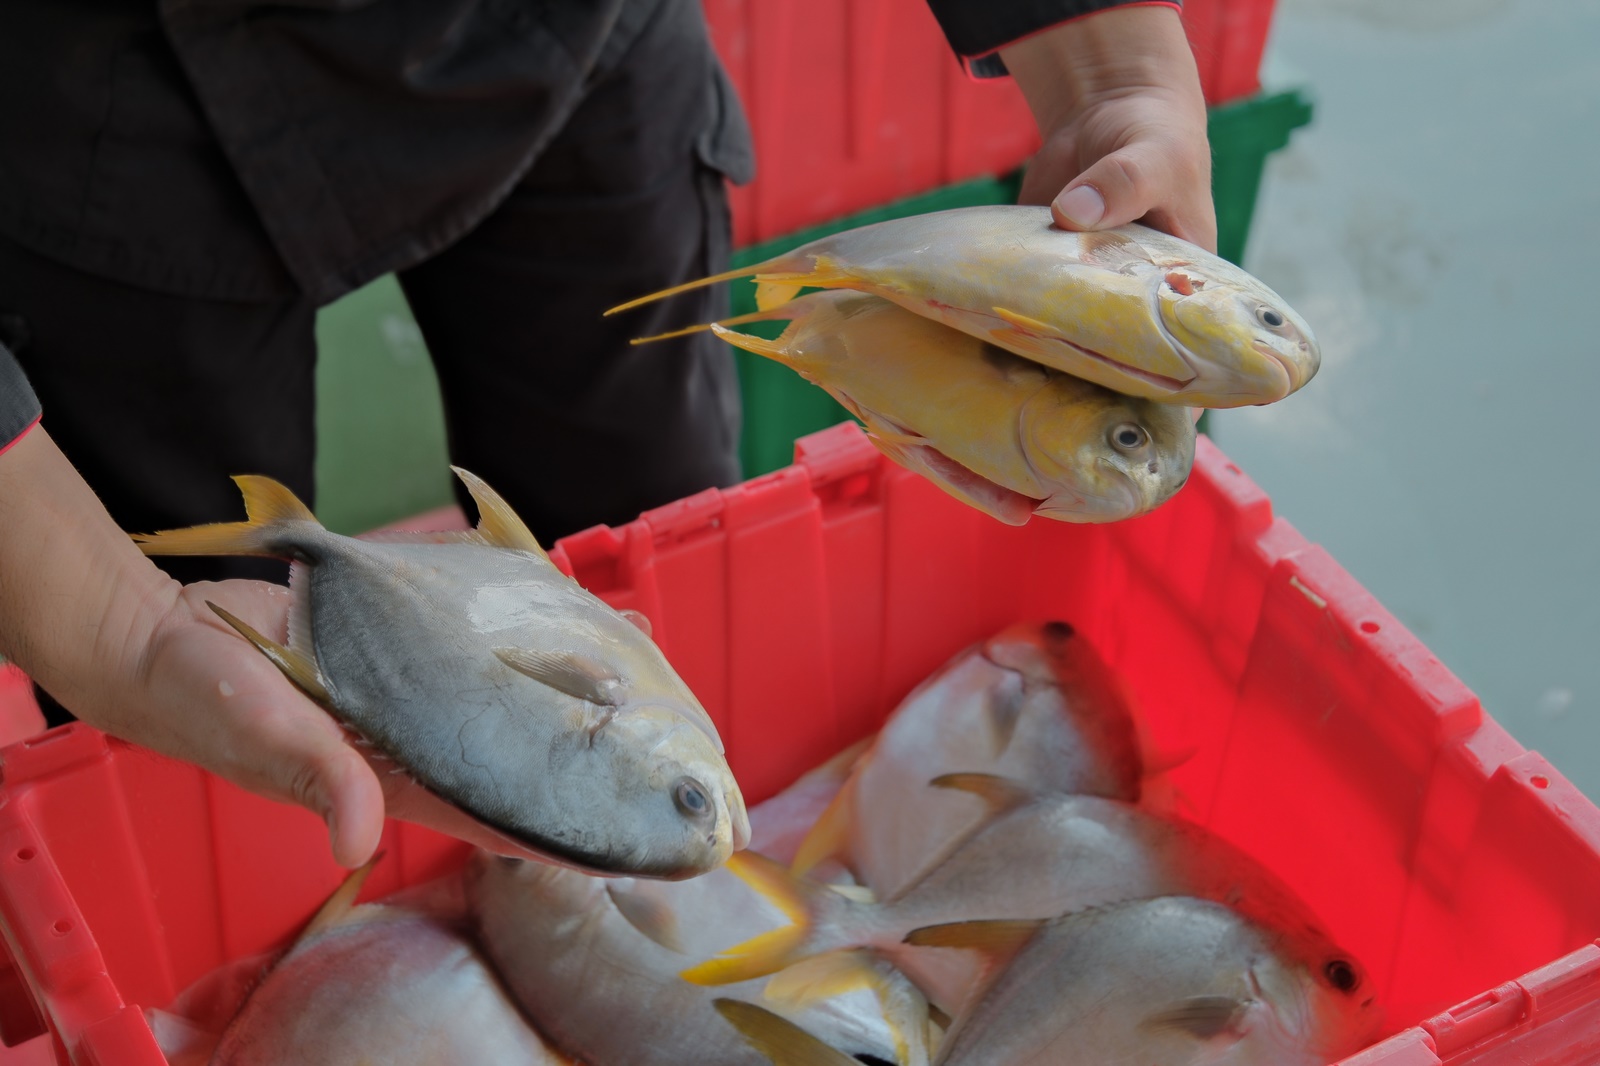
(1003, 434)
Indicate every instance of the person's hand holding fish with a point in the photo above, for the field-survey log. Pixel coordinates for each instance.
(1117, 326)
(1118, 101)
(140, 656)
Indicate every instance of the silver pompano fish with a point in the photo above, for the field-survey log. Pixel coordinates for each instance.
(381, 984)
(1039, 857)
(1035, 703)
(1162, 982)
(1001, 433)
(497, 683)
(1130, 308)
(596, 963)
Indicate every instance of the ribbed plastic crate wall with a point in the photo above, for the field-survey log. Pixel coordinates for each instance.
(801, 606)
(857, 103)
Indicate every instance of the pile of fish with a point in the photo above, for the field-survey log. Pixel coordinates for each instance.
(1023, 368)
(979, 883)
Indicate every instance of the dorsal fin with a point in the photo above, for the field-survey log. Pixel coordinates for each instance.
(497, 522)
(565, 671)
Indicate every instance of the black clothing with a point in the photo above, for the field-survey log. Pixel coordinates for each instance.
(240, 150)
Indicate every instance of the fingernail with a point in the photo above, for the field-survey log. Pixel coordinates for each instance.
(1083, 205)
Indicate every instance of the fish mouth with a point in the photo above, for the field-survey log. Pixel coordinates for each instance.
(1007, 505)
(1282, 363)
(1160, 381)
(1131, 501)
(1150, 376)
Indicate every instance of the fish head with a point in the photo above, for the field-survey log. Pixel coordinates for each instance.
(1244, 342)
(673, 807)
(1105, 456)
(1317, 996)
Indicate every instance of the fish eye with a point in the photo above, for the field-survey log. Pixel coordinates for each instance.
(1269, 318)
(1128, 437)
(1341, 975)
(690, 796)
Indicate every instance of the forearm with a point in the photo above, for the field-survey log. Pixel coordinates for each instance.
(78, 602)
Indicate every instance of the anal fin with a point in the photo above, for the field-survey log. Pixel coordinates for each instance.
(296, 664)
(343, 900)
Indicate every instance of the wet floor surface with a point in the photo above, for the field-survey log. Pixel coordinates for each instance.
(1438, 225)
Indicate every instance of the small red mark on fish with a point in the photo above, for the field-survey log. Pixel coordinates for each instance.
(1183, 283)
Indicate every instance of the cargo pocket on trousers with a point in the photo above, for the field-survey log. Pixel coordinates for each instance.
(725, 153)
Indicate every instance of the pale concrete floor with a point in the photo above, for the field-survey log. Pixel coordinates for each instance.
(1438, 225)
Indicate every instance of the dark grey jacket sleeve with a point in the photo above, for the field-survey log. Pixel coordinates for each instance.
(19, 407)
(977, 28)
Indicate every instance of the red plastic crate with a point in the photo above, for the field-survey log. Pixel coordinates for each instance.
(857, 103)
(20, 716)
(801, 606)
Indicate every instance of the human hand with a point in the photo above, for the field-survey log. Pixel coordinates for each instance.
(1118, 101)
(208, 697)
(132, 652)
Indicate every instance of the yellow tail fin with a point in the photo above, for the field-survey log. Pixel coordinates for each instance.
(269, 505)
(736, 320)
(780, 1040)
(777, 280)
(776, 948)
(688, 286)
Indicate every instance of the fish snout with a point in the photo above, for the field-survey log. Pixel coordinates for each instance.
(739, 818)
(1283, 374)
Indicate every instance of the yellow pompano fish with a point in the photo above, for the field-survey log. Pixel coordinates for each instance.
(497, 683)
(999, 432)
(1130, 308)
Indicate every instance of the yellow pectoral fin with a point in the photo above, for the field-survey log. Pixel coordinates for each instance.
(829, 837)
(1029, 326)
(780, 1040)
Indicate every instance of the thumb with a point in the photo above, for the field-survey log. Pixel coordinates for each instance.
(1147, 177)
(1121, 187)
(330, 779)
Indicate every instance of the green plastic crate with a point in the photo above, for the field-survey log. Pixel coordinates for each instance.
(381, 441)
